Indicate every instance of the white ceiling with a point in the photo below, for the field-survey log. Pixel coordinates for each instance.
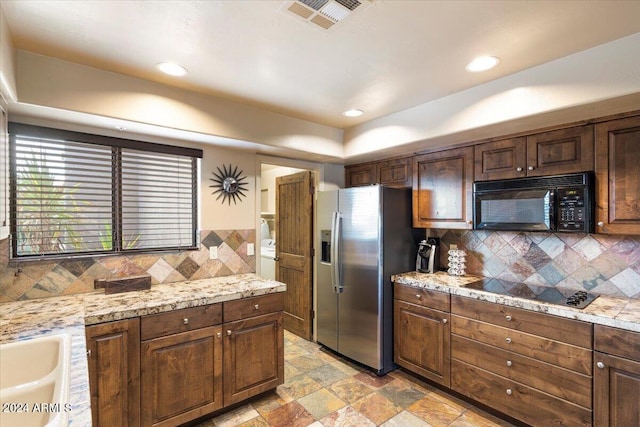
(387, 56)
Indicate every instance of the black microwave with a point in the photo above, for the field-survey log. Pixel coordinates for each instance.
(548, 203)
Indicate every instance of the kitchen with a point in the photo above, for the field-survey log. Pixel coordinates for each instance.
(585, 86)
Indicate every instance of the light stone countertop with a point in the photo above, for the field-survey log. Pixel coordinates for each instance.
(70, 314)
(623, 313)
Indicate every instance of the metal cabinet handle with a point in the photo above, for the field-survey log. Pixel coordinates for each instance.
(509, 391)
(519, 169)
(600, 365)
(444, 320)
(531, 168)
(508, 318)
(185, 321)
(508, 340)
(228, 332)
(509, 363)
(600, 224)
(257, 306)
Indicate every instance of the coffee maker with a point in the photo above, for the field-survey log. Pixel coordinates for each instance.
(427, 257)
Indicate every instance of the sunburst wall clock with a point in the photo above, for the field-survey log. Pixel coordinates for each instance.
(229, 184)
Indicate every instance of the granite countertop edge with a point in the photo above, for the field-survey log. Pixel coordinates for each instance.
(23, 320)
(617, 312)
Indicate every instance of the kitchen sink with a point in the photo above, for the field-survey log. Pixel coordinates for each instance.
(34, 381)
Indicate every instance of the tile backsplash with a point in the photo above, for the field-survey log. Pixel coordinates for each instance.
(38, 279)
(601, 264)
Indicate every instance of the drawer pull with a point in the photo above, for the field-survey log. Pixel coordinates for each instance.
(257, 306)
(185, 321)
(228, 332)
(418, 296)
(444, 320)
(508, 318)
(509, 392)
(600, 365)
(508, 340)
(509, 363)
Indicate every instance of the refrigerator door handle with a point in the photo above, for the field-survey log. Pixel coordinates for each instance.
(335, 252)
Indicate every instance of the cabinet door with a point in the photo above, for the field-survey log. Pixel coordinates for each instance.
(113, 351)
(358, 175)
(421, 341)
(442, 189)
(181, 376)
(618, 176)
(616, 391)
(253, 356)
(560, 151)
(395, 173)
(500, 159)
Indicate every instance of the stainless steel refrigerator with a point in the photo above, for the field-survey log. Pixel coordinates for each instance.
(366, 236)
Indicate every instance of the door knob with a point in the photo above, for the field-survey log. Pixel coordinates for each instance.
(531, 168)
(600, 365)
(277, 258)
(185, 321)
(508, 340)
(509, 392)
(257, 306)
(508, 318)
(519, 169)
(228, 332)
(444, 320)
(509, 363)
(219, 334)
(600, 224)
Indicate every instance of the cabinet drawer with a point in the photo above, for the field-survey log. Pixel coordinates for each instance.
(556, 328)
(250, 307)
(562, 383)
(555, 352)
(617, 342)
(514, 399)
(183, 320)
(423, 297)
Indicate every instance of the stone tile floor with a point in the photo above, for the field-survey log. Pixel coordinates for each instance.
(324, 390)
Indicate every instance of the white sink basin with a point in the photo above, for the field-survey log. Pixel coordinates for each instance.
(34, 381)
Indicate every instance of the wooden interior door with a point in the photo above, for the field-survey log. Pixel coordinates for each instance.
(294, 249)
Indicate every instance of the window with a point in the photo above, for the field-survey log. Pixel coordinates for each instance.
(75, 193)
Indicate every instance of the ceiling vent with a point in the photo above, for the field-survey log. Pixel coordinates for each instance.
(324, 13)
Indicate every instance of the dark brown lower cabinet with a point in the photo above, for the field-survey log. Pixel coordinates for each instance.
(253, 356)
(170, 368)
(113, 354)
(181, 376)
(616, 377)
(422, 341)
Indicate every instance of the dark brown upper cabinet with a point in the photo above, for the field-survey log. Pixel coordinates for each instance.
(395, 173)
(442, 189)
(359, 175)
(548, 153)
(618, 176)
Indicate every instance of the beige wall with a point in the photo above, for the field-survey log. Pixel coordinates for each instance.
(572, 88)
(64, 85)
(7, 61)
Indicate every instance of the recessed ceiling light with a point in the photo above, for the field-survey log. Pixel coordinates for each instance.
(171, 69)
(353, 113)
(482, 63)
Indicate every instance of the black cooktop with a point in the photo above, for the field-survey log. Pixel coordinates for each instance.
(551, 295)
